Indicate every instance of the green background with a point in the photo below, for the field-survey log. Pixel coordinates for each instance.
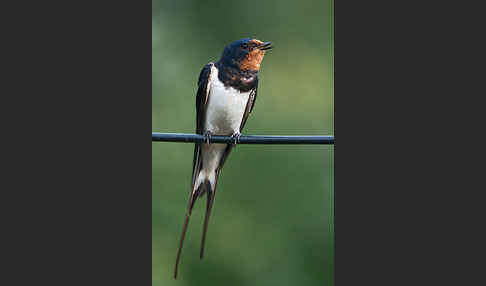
(272, 221)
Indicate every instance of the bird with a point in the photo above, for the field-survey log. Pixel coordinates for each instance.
(225, 97)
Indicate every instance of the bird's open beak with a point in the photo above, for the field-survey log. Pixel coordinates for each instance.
(265, 46)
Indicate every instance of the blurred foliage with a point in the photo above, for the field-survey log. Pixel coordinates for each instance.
(272, 222)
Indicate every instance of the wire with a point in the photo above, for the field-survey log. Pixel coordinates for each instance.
(251, 139)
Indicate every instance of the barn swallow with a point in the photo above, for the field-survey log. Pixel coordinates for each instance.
(225, 97)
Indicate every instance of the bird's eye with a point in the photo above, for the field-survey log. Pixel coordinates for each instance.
(244, 46)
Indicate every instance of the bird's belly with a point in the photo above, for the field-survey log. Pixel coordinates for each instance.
(225, 110)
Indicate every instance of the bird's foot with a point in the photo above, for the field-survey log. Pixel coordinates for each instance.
(236, 137)
(207, 136)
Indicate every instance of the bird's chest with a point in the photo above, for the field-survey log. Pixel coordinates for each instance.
(225, 109)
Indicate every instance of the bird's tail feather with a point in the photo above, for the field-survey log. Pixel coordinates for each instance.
(204, 187)
(209, 205)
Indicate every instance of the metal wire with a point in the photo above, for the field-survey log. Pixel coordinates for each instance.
(251, 139)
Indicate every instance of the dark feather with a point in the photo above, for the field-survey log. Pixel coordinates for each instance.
(249, 105)
(202, 97)
(209, 206)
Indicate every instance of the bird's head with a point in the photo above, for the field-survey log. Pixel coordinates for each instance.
(245, 54)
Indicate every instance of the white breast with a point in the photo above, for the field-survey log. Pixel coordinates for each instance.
(226, 107)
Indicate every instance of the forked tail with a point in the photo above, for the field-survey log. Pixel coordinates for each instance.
(204, 187)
